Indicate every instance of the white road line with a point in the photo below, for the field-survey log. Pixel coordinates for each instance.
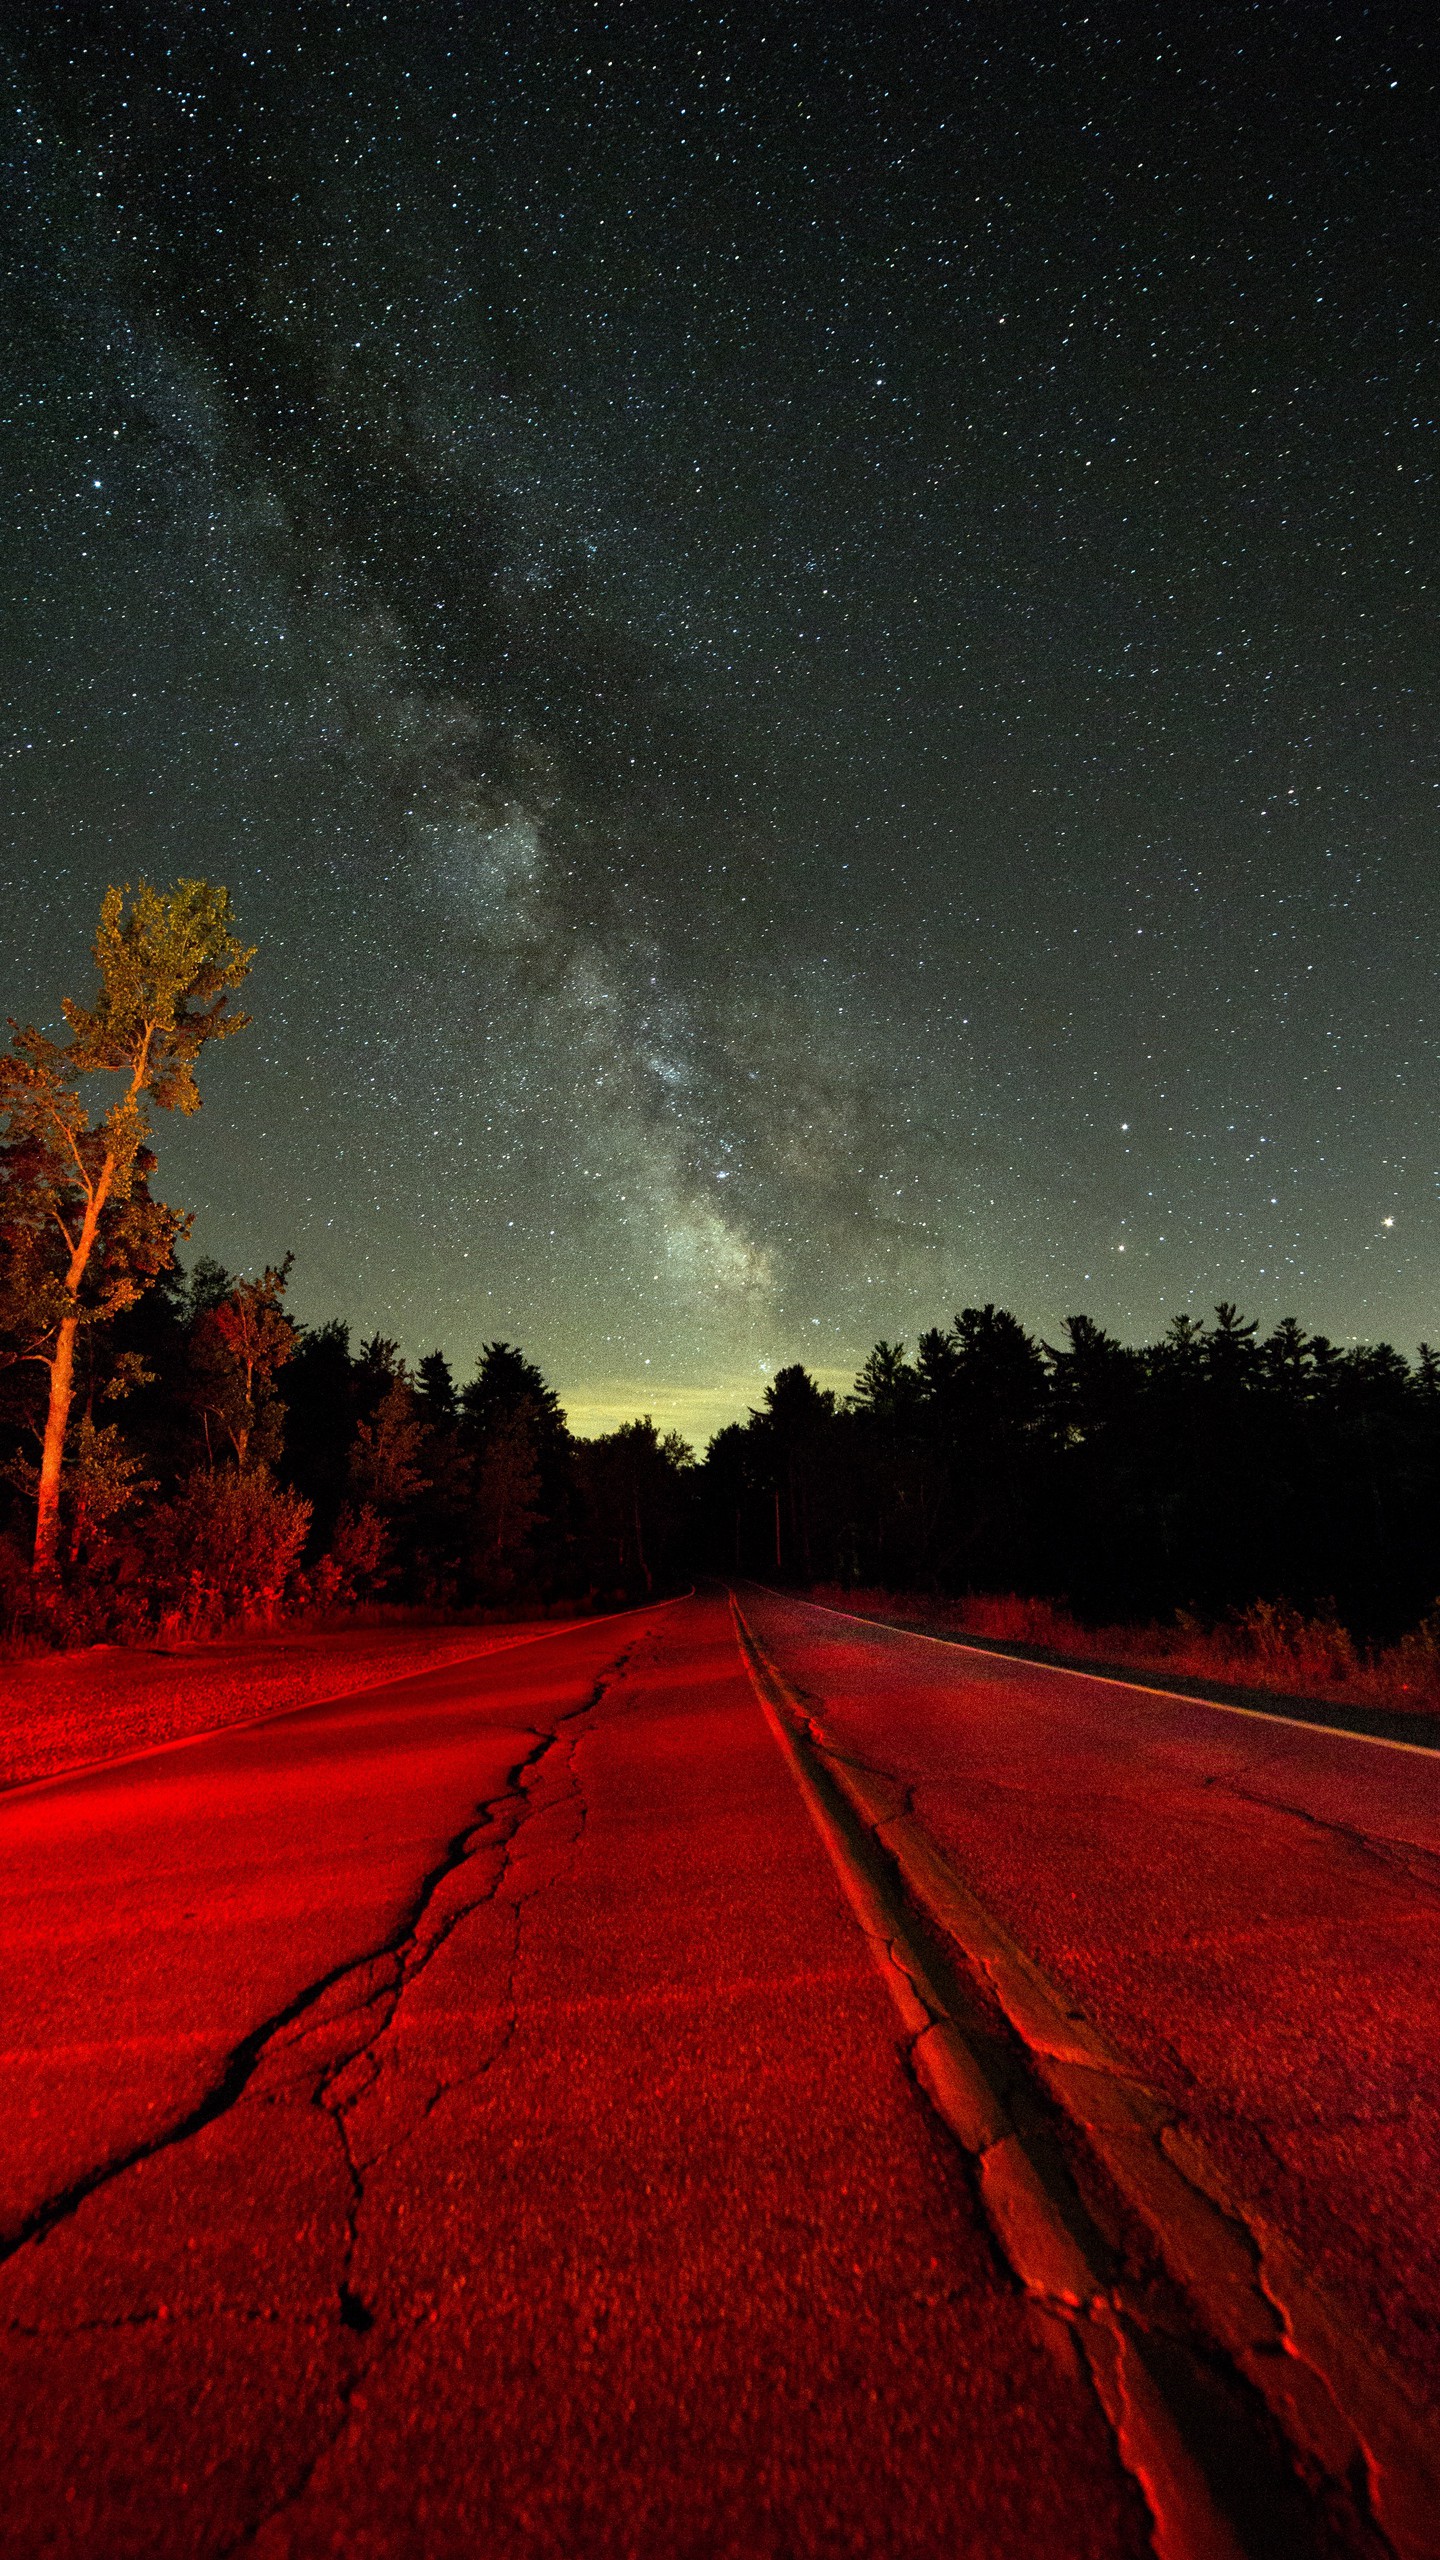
(1072, 1671)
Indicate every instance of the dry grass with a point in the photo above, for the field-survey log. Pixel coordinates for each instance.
(1268, 1646)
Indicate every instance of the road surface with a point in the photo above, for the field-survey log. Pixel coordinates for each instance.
(469, 2117)
(1250, 1908)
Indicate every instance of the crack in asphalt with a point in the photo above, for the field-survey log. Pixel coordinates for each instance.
(339, 2100)
(908, 1810)
(1344, 2436)
(245, 2315)
(486, 1828)
(343, 2081)
(1421, 1865)
(355, 2315)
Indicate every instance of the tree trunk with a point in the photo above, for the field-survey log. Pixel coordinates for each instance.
(640, 1547)
(52, 1456)
(62, 1370)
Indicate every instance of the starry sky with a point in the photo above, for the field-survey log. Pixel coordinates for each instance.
(806, 637)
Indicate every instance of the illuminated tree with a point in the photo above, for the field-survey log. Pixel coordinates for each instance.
(81, 1236)
(384, 1456)
(241, 1341)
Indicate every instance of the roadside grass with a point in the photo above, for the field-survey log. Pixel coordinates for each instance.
(62, 1711)
(1269, 1646)
(280, 1626)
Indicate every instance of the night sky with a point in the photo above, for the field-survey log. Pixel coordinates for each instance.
(806, 636)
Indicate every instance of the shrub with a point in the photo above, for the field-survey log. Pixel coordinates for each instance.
(1286, 1646)
(226, 1548)
(355, 1560)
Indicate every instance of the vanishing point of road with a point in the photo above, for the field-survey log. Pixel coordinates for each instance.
(722, 2079)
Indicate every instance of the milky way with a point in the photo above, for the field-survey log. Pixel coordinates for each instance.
(809, 648)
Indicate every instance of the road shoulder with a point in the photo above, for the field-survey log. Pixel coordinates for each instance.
(1335, 2414)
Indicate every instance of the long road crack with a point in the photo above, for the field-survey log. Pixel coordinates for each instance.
(1409, 1858)
(348, 2079)
(402, 1955)
(353, 2076)
(331, 2046)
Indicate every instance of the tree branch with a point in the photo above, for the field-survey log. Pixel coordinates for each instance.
(74, 1146)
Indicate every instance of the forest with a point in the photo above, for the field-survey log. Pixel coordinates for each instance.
(178, 1452)
(227, 1462)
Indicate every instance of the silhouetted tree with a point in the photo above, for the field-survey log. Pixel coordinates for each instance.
(636, 1487)
(796, 1430)
(508, 1504)
(986, 1402)
(318, 1388)
(436, 1389)
(514, 1432)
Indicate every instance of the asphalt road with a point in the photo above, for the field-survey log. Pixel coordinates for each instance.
(467, 2118)
(1249, 1909)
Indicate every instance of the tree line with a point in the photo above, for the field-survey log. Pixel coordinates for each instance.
(1200, 1472)
(227, 1461)
(177, 1450)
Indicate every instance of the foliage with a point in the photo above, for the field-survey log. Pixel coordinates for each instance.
(226, 1547)
(1267, 1647)
(104, 1479)
(240, 1341)
(80, 1235)
(353, 1565)
(384, 1456)
(1275, 1488)
(1212, 1470)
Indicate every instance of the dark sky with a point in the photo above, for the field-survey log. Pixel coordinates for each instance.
(807, 637)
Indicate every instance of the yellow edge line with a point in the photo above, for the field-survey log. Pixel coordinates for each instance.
(1113, 1679)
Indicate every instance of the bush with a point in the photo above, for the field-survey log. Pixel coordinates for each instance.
(226, 1548)
(1285, 1646)
(354, 1562)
